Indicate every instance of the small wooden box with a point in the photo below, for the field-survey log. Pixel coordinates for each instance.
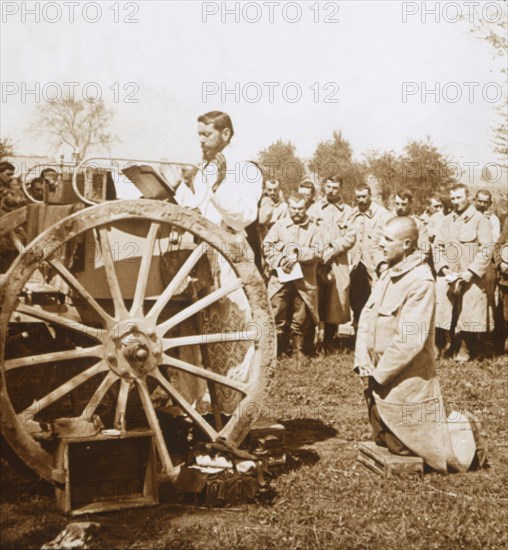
(386, 464)
(104, 473)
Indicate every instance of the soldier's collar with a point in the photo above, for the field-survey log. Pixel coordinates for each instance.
(340, 204)
(369, 213)
(407, 264)
(467, 214)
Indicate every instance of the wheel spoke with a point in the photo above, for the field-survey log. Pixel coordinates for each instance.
(73, 282)
(38, 313)
(53, 357)
(144, 270)
(204, 373)
(20, 247)
(151, 415)
(200, 422)
(109, 268)
(198, 306)
(62, 390)
(203, 339)
(13, 220)
(177, 280)
(98, 396)
(121, 405)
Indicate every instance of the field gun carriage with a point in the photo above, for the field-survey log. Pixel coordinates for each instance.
(128, 316)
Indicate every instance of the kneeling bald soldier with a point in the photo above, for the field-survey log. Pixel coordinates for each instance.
(395, 356)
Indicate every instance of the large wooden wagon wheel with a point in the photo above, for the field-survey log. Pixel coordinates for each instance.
(125, 346)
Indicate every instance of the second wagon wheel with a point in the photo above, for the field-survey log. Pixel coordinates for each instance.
(157, 310)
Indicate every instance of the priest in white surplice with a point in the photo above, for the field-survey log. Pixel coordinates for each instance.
(226, 191)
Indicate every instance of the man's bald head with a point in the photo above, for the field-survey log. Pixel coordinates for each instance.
(400, 238)
(404, 228)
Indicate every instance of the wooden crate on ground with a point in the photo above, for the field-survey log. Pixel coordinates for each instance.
(105, 472)
(386, 464)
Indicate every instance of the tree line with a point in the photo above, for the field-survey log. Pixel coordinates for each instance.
(421, 168)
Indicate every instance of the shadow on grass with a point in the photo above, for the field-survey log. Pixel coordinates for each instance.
(305, 431)
(302, 432)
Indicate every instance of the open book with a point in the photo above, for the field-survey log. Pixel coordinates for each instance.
(293, 275)
(149, 182)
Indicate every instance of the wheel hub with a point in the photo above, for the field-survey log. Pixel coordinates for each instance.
(132, 349)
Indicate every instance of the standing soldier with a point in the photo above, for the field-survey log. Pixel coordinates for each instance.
(293, 240)
(272, 207)
(308, 190)
(433, 215)
(483, 203)
(462, 254)
(11, 198)
(367, 217)
(403, 207)
(332, 216)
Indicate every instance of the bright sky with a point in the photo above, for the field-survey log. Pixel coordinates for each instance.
(362, 58)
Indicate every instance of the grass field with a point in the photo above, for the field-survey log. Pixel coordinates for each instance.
(323, 498)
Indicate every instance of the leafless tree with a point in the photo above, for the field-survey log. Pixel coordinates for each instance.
(78, 124)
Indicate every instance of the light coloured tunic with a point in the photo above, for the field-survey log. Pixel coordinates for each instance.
(464, 243)
(366, 224)
(284, 235)
(337, 236)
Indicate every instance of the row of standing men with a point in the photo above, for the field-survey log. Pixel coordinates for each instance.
(339, 250)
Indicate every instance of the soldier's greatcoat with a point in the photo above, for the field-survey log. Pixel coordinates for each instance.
(338, 236)
(269, 213)
(285, 235)
(464, 242)
(366, 224)
(395, 341)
